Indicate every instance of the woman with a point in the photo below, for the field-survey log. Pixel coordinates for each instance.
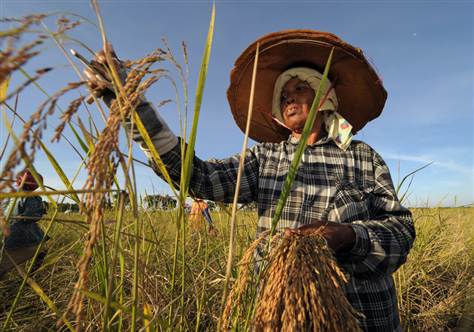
(341, 184)
(25, 234)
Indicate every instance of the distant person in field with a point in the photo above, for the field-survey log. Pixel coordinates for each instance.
(25, 234)
(342, 186)
(200, 214)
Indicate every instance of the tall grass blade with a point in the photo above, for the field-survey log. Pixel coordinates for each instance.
(4, 87)
(188, 162)
(237, 188)
(301, 147)
(79, 139)
(189, 155)
(60, 172)
(114, 305)
(411, 174)
(3, 93)
(88, 138)
(118, 227)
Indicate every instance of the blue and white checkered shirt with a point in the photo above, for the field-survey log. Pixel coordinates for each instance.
(352, 186)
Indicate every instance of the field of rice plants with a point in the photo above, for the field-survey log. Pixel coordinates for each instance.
(435, 286)
(117, 265)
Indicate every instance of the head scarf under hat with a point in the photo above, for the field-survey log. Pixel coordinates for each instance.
(338, 129)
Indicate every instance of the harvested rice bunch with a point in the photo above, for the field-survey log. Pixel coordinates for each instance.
(300, 289)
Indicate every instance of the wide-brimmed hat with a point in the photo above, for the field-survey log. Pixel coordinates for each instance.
(359, 89)
(26, 179)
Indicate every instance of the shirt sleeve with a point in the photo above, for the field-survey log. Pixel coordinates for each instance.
(382, 242)
(216, 179)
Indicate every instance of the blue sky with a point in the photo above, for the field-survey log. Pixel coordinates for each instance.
(423, 50)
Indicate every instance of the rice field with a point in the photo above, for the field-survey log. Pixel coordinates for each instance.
(435, 286)
(118, 266)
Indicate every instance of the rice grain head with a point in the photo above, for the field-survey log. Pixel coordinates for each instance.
(301, 288)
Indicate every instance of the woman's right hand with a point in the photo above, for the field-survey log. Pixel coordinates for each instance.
(98, 75)
(99, 80)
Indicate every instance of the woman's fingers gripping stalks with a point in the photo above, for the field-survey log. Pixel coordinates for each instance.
(98, 75)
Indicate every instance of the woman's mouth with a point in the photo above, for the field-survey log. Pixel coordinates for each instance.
(291, 110)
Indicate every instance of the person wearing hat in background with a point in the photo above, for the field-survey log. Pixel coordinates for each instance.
(200, 214)
(25, 234)
(342, 186)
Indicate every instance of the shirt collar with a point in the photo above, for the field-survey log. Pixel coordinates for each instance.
(323, 140)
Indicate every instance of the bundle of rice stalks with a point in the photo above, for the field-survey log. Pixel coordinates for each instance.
(300, 289)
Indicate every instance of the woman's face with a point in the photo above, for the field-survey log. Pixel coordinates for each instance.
(295, 103)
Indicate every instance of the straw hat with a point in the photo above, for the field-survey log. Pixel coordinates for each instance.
(359, 90)
(26, 178)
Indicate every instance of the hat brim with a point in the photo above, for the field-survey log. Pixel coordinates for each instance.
(359, 90)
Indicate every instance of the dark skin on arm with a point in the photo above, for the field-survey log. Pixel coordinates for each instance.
(296, 99)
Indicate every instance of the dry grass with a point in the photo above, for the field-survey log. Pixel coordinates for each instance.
(433, 285)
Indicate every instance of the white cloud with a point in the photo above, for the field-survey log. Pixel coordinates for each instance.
(450, 165)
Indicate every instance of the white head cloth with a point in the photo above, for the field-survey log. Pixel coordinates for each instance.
(338, 129)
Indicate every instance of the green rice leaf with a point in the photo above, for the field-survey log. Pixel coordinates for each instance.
(87, 136)
(60, 172)
(301, 147)
(188, 162)
(79, 139)
(114, 305)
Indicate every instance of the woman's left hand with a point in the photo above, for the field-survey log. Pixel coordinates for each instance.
(340, 237)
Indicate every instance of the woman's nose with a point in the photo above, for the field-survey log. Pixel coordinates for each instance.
(290, 100)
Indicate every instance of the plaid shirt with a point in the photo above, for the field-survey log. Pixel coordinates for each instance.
(352, 186)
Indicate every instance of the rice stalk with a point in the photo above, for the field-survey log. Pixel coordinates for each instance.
(32, 132)
(239, 176)
(25, 84)
(25, 23)
(11, 58)
(234, 304)
(52, 193)
(187, 164)
(101, 169)
(301, 288)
